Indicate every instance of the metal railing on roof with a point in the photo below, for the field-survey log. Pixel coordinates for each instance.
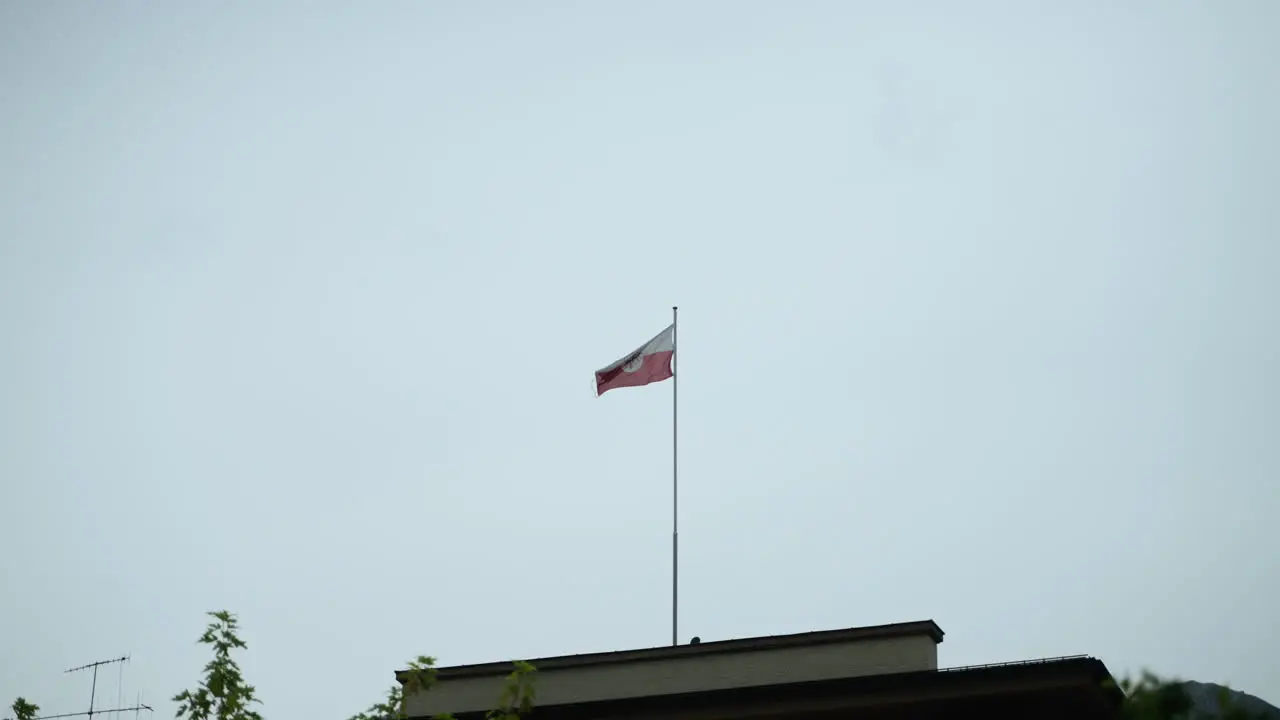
(1040, 661)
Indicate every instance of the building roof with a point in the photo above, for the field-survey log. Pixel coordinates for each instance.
(767, 642)
(1051, 689)
(883, 671)
(706, 666)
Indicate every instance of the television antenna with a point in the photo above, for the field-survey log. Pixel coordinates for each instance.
(93, 694)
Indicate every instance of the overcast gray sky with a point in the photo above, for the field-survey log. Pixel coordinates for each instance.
(300, 305)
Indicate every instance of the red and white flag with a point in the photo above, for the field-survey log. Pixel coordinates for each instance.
(649, 363)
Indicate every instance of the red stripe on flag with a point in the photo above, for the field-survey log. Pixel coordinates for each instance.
(640, 370)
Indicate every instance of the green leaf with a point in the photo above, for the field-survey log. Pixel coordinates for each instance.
(222, 694)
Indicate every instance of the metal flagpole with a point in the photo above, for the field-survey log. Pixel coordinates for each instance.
(675, 486)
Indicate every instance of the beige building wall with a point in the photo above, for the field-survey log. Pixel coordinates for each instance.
(711, 671)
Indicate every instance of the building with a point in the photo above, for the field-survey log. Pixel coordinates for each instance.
(886, 671)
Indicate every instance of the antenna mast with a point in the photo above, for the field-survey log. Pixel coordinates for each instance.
(93, 692)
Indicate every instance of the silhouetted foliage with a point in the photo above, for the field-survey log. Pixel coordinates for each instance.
(519, 690)
(1150, 697)
(23, 710)
(222, 694)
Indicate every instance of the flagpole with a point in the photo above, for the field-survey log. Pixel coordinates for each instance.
(675, 486)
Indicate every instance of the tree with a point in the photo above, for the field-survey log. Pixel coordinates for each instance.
(223, 694)
(23, 710)
(420, 676)
(1150, 697)
(519, 690)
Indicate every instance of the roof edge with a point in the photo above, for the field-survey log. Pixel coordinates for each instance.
(766, 642)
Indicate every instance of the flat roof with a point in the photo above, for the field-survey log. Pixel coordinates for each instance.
(767, 642)
(1066, 688)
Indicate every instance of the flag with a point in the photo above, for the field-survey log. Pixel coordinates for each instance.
(649, 363)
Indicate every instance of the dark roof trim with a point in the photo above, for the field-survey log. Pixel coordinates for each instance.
(768, 642)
